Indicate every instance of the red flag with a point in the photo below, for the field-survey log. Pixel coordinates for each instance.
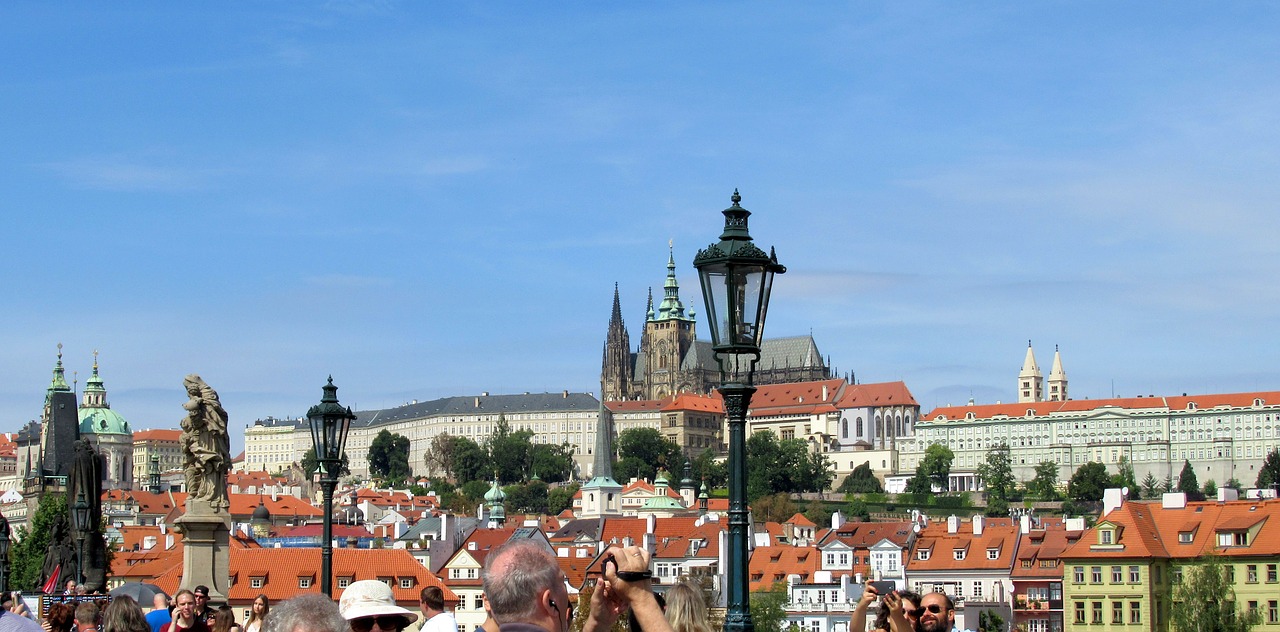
(52, 584)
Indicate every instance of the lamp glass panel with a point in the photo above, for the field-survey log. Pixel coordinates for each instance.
(715, 290)
(317, 435)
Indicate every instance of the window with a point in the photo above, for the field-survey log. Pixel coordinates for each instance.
(1096, 575)
(478, 602)
(1117, 612)
(1229, 573)
(1079, 578)
(257, 582)
(1079, 612)
(1176, 576)
(304, 582)
(343, 582)
(1135, 612)
(1097, 612)
(958, 554)
(1273, 611)
(1184, 537)
(1135, 574)
(922, 554)
(993, 554)
(977, 591)
(1271, 573)
(1117, 575)
(406, 582)
(1106, 536)
(1251, 573)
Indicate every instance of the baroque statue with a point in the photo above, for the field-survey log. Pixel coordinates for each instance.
(206, 447)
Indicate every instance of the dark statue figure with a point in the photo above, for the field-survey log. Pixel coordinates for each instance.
(84, 482)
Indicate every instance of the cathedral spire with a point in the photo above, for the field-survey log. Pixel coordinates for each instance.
(615, 366)
(649, 309)
(95, 394)
(59, 383)
(1030, 380)
(1057, 378)
(671, 306)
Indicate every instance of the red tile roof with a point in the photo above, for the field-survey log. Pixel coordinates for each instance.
(985, 411)
(796, 398)
(157, 435)
(772, 564)
(878, 394)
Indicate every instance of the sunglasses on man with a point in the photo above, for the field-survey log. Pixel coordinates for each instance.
(919, 612)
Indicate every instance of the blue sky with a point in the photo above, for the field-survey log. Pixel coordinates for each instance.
(431, 199)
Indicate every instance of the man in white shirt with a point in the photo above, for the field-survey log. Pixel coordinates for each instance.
(434, 617)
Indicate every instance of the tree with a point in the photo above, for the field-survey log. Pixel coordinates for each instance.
(469, 461)
(707, 468)
(997, 476)
(1088, 483)
(644, 451)
(773, 508)
(560, 499)
(389, 456)
(861, 481)
(509, 453)
(1269, 475)
(767, 609)
(989, 621)
(1126, 478)
(1151, 486)
(438, 458)
(1210, 489)
(527, 497)
(1187, 482)
(784, 466)
(552, 463)
(818, 512)
(30, 545)
(1045, 484)
(1234, 483)
(1205, 601)
(920, 484)
(311, 465)
(858, 509)
(937, 465)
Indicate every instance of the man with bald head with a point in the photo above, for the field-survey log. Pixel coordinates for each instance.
(159, 614)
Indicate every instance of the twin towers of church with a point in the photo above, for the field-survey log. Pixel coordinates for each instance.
(1031, 383)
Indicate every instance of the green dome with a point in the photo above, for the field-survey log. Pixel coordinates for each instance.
(102, 421)
(495, 494)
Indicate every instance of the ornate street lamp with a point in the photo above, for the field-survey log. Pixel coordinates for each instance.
(4, 554)
(329, 425)
(736, 280)
(80, 522)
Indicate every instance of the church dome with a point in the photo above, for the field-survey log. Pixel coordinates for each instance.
(495, 494)
(261, 514)
(102, 421)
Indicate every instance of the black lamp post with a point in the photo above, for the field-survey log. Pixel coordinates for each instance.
(80, 518)
(329, 425)
(4, 554)
(736, 279)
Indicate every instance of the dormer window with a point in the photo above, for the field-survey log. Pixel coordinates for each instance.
(1233, 538)
(922, 554)
(993, 553)
(958, 554)
(1106, 536)
(1185, 537)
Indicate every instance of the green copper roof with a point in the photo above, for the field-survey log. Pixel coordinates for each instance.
(102, 421)
(59, 383)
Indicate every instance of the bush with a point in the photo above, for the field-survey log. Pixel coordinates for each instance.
(951, 502)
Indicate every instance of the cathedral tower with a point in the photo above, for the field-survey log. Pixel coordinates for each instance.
(616, 366)
(1030, 380)
(669, 334)
(1057, 379)
(59, 425)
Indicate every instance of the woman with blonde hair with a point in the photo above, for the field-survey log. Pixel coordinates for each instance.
(687, 609)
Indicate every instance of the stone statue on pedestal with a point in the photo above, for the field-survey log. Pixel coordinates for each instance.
(86, 480)
(206, 447)
(206, 525)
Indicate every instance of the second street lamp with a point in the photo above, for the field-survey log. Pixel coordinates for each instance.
(329, 424)
(4, 554)
(80, 520)
(737, 278)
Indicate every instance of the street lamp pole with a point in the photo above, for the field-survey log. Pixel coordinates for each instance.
(329, 425)
(80, 516)
(737, 278)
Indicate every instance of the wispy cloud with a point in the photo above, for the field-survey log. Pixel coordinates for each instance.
(122, 173)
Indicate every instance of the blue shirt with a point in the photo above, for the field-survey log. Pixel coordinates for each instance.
(157, 618)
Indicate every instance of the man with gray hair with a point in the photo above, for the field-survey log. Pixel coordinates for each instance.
(527, 592)
(305, 613)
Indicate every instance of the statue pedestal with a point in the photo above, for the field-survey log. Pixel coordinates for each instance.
(206, 555)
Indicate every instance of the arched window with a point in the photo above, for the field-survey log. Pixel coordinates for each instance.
(844, 428)
(859, 427)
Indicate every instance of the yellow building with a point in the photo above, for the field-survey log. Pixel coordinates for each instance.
(1122, 574)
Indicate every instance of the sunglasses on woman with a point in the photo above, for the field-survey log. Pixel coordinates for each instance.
(386, 622)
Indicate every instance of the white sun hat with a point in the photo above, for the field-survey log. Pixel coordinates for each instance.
(371, 598)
